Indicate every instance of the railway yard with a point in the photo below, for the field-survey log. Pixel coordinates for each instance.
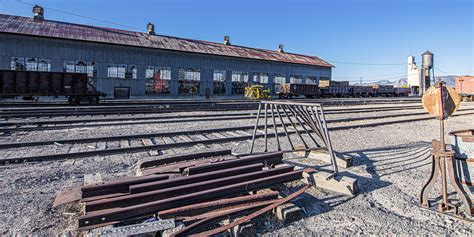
(385, 142)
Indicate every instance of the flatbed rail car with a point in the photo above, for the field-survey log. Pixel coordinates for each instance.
(34, 84)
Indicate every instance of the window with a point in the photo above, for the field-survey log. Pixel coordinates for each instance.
(296, 79)
(112, 71)
(18, 63)
(278, 80)
(44, 65)
(311, 80)
(131, 72)
(189, 81)
(30, 64)
(239, 82)
(261, 78)
(219, 82)
(157, 80)
(122, 71)
(81, 67)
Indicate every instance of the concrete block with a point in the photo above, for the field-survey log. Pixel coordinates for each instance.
(288, 213)
(340, 184)
(244, 230)
(169, 232)
(324, 156)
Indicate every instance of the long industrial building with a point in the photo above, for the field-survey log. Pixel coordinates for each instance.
(127, 64)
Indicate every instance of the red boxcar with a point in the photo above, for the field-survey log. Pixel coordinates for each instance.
(465, 87)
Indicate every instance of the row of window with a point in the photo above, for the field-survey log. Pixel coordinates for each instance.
(158, 78)
(31, 64)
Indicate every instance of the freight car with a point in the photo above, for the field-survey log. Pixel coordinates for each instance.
(465, 87)
(288, 90)
(334, 88)
(339, 89)
(33, 84)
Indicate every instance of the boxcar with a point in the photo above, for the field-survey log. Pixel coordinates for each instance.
(465, 87)
(31, 84)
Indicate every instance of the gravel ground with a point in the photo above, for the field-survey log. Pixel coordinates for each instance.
(391, 163)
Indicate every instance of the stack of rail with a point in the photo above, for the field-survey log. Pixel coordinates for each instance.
(195, 189)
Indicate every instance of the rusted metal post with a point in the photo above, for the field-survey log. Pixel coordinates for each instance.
(275, 127)
(266, 122)
(284, 127)
(256, 126)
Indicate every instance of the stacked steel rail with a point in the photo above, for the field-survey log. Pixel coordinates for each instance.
(195, 189)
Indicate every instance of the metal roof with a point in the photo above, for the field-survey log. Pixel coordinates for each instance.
(70, 31)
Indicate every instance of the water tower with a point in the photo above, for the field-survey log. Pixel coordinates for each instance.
(427, 65)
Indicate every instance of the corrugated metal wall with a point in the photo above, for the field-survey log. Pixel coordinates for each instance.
(103, 54)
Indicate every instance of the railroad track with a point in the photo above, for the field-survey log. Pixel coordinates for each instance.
(153, 142)
(325, 101)
(8, 127)
(95, 112)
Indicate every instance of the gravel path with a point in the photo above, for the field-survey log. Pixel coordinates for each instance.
(391, 163)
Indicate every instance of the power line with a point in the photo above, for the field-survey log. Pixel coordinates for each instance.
(367, 64)
(86, 17)
(390, 75)
(449, 74)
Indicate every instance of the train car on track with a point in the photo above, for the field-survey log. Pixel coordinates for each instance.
(288, 90)
(339, 89)
(33, 84)
(465, 87)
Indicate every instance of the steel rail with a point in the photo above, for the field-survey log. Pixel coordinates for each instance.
(140, 108)
(70, 114)
(90, 220)
(82, 154)
(120, 185)
(219, 117)
(155, 195)
(253, 215)
(183, 180)
(137, 136)
(217, 204)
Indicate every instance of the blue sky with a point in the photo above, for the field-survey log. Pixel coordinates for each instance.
(357, 31)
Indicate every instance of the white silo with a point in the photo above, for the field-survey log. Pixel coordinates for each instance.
(413, 75)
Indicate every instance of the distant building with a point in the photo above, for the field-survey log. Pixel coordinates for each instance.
(145, 64)
(413, 75)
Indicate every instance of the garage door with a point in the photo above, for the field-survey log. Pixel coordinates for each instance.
(121, 93)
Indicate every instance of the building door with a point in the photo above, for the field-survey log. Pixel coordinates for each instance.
(121, 93)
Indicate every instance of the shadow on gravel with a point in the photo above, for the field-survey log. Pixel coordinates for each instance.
(378, 162)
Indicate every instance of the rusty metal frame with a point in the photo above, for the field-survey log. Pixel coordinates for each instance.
(305, 118)
(443, 161)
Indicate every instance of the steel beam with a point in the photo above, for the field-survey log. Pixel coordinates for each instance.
(120, 214)
(150, 196)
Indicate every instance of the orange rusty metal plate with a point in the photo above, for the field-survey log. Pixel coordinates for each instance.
(432, 101)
